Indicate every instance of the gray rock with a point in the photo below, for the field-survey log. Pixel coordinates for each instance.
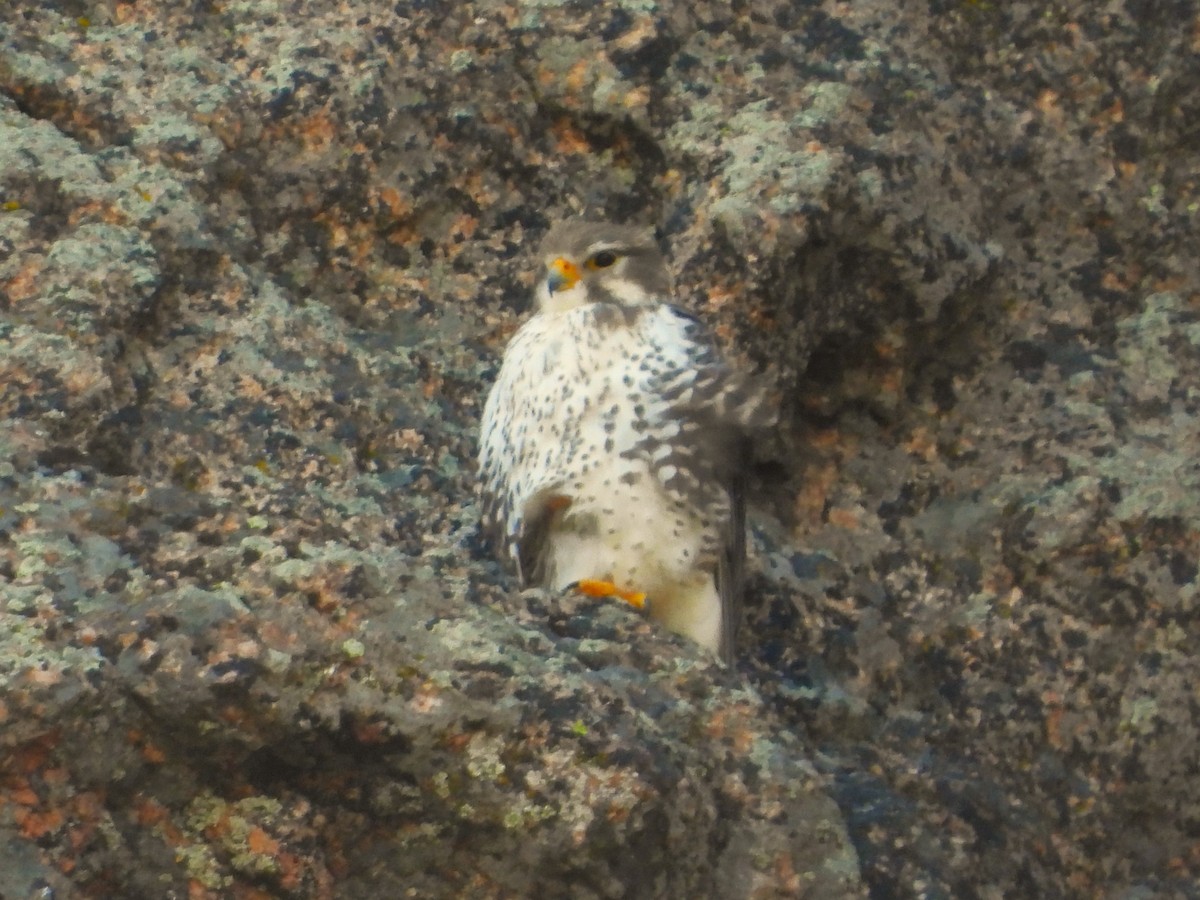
(256, 268)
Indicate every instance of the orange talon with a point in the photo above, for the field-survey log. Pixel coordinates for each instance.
(636, 599)
(592, 587)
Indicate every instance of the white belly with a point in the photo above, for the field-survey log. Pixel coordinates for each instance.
(636, 538)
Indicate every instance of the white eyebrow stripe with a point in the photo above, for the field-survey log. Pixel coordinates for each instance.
(601, 246)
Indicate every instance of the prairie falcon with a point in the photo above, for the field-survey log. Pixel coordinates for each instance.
(613, 441)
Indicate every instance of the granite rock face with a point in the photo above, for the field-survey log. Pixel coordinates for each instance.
(257, 265)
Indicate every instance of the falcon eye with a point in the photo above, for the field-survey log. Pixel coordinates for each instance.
(602, 260)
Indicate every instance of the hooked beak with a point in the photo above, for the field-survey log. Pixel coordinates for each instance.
(564, 275)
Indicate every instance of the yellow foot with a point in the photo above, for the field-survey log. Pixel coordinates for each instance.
(593, 588)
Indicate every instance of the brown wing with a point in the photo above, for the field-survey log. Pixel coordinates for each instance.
(731, 570)
(708, 411)
(541, 514)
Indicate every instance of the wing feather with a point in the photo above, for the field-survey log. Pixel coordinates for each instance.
(705, 413)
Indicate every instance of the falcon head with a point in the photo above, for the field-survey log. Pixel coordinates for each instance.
(597, 262)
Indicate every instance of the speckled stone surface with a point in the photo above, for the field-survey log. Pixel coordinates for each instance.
(257, 264)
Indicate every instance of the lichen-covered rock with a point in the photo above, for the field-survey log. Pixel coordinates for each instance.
(256, 267)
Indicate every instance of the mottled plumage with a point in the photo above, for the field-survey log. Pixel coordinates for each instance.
(612, 442)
